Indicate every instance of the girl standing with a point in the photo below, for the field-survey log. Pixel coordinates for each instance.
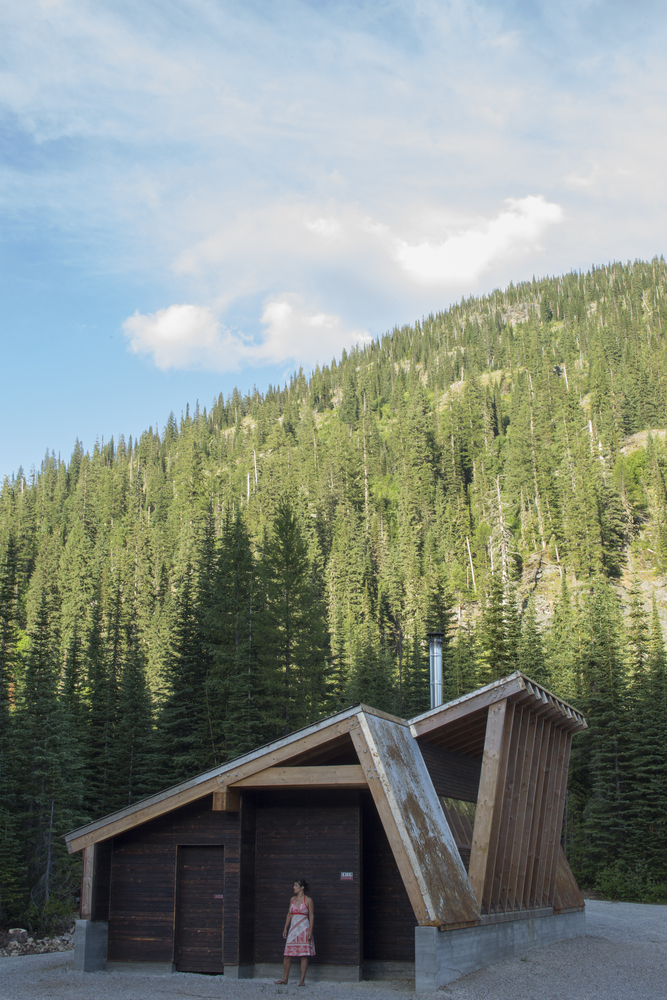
(298, 931)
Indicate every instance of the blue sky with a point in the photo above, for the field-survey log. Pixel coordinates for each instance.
(196, 194)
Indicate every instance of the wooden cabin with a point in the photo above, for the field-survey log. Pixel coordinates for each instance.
(432, 847)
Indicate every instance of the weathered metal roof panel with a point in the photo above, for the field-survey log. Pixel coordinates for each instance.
(425, 834)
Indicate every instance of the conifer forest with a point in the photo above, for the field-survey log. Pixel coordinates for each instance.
(497, 470)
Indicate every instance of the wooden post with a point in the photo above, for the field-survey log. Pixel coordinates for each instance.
(542, 825)
(559, 807)
(506, 829)
(535, 826)
(227, 800)
(524, 859)
(549, 820)
(490, 797)
(521, 786)
(87, 882)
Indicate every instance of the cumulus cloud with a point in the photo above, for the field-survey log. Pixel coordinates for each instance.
(191, 337)
(182, 336)
(466, 255)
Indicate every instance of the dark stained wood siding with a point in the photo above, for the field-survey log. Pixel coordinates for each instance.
(247, 879)
(102, 880)
(453, 774)
(389, 920)
(199, 909)
(143, 880)
(314, 834)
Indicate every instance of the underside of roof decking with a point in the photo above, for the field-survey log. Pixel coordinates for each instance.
(460, 725)
(519, 733)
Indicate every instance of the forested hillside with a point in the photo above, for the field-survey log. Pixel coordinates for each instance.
(171, 601)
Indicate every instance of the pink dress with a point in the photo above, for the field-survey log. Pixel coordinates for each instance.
(297, 942)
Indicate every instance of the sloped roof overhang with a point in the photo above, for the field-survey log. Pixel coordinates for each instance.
(460, 725)
(271, 754)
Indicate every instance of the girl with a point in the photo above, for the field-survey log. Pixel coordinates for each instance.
(298, 931)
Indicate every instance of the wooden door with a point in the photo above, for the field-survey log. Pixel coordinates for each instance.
(199, 909)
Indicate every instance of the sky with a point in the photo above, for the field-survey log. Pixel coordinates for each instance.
(202, 194)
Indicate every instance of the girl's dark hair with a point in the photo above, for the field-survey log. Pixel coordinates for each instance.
(302, 882)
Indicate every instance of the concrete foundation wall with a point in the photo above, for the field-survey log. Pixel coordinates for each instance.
(443, 956)
(91, 939)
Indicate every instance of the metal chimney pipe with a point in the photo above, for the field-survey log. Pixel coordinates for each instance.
(435, 667)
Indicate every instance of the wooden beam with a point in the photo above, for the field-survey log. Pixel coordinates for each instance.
(134, 816)
(227, 800)
(490, 797)
(390, 827)
(465, 706)
(286, 752)
(87, 876)
(314, 776)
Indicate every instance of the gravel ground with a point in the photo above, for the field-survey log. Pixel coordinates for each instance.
(622, 957)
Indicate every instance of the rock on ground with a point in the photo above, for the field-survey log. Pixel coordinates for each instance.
(622, 957)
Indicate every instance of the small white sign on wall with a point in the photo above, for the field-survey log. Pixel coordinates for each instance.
(347, 876)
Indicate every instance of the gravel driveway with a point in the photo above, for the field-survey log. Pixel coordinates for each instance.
(622, 957)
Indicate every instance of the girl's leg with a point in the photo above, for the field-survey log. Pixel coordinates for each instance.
(304, 968)
(287, 961)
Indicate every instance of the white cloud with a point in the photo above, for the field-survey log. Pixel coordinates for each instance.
(190, 337)
(182, 336)
(466, 255)
(319, 336)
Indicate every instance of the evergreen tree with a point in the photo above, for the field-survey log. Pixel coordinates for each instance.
(291, 632)
(236, 689)
(531, 659)
(183, 723)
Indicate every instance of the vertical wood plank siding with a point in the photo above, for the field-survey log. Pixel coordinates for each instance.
(315, 835)
(453, 774)
(246, 915)
(102, 880)
(141, 913)
(388, 918)
(200, 880)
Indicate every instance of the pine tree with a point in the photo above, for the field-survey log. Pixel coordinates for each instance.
(497, 632)
(531, 659)
(600, 756)
(50, 796)
(183, 722)
(291, 632)
(236, 690)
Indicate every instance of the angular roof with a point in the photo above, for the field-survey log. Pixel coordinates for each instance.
(390, 766)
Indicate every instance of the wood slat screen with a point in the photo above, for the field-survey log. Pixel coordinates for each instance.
(515, 855)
